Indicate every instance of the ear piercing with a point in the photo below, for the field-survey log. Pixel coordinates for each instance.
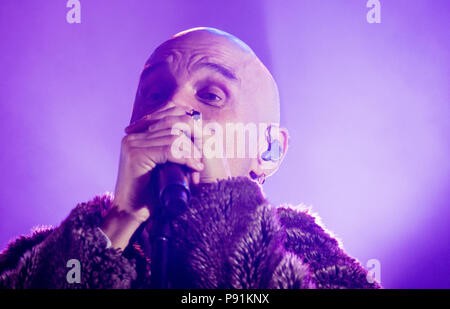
(260, 179)
(273, 154)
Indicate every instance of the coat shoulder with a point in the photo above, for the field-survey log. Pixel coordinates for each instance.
(40, 260)
(321, 250)
(10, 256)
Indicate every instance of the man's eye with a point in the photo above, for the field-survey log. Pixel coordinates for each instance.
(155, 96)
(209, 96)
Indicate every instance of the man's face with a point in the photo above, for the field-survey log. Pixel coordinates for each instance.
(213, 75)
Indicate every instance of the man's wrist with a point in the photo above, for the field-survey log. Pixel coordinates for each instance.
(119, 226)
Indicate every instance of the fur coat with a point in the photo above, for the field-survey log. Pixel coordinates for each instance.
(230, 237)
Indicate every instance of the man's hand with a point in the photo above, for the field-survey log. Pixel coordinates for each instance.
(148, 143)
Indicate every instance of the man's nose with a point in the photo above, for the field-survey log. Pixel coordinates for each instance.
(180, 98)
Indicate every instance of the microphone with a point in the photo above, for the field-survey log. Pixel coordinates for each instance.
(173, 183)
(172, 187)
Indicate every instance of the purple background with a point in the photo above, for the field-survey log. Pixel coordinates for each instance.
(367, 106)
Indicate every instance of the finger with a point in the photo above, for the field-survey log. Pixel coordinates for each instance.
(139, 125)
(195, 177)
(145, 121)
(179, 145)
(172, 111)
(147, 134)
(166, 140)
(185, 123)
(171, 121)
(162, 154)
(190, 162)
(161, 138)
(164, 132)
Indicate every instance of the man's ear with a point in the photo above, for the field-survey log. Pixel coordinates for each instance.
(271, 157)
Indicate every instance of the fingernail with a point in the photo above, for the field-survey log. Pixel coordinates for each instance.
(196, 178)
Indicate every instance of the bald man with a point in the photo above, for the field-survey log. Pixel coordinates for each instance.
(195, 92)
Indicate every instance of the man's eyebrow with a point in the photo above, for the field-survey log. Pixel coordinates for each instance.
(211, 65)
(218, 68)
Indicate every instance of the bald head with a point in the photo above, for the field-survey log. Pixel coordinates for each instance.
(206, 33)
(218, 75)
(251, 93)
